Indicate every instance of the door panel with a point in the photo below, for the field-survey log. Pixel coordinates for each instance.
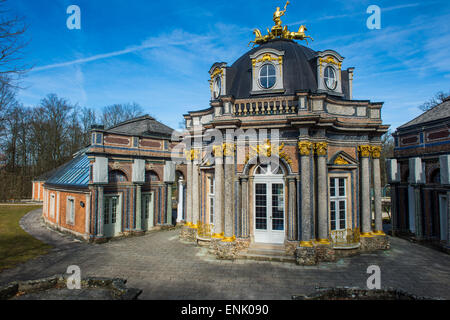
(112, 223)
(147, 211)
(269, 212)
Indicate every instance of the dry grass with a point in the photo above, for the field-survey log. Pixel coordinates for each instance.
(17, 246)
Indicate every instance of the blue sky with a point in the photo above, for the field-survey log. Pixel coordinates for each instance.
(158, 53)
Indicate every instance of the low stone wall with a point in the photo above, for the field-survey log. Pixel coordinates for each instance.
(117, 287)
(228, 250)
(188, 234)
(348, 293)
(380, 242)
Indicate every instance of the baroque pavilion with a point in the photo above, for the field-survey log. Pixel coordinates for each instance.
(283, 160)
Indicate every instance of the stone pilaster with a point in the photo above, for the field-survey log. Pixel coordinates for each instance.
(138, 209)
(195, 193)
(100, 212)
(305, 167)
(292, 212)
(169, 204)
(245, 203)
(322, 182)
(376, 150)
(366, 228)
(229, 194)
(180, 204)
(218, 192)
(189, 191)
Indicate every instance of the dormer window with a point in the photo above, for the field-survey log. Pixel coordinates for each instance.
(267, 71)
(330, 78)
(267, 76)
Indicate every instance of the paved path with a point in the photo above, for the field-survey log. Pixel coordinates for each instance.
(166, 268)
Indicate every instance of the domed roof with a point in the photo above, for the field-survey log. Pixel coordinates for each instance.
(299, 69)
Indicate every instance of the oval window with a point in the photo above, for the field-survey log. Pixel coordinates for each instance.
(330, 78)
(267, 76)
(217, 87)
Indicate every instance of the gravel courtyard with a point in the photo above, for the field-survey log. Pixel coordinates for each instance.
(166, 268)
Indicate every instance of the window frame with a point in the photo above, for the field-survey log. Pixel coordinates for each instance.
(337, 199)
(325, 78)
(70, 211)
(211, 197)
(267, 76)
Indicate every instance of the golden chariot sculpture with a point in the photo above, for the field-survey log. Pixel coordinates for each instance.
(280, 32)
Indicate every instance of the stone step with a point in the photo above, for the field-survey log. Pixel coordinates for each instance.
(265, 257)
(267, 252)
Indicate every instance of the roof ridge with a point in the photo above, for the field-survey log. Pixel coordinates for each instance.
(422, 115)
(145, 116)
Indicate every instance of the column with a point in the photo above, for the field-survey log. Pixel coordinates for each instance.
(100, 212)
(218, 192)
(376, 152)
(245, 202)
(189, 189)
(305, 167)
(366, 218)
(292, 205)
(180, 204)
(195, 191)
(228, 151)
(169, 203)
(138, 207)
(322, 183)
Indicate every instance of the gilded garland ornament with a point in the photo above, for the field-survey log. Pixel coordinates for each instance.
(376, 152)
(321, 148)
(267, 150)
(365, 150)
(218, 151)
(192, 154)
(228, 149)
(304, 148)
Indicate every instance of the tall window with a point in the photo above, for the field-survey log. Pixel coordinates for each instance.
(338, 204)
(330, 78)
(211, 192)
(70, 215)
(52, 205)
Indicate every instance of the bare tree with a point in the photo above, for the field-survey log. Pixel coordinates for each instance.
(12, 43)
(117, 113)
(433, 102)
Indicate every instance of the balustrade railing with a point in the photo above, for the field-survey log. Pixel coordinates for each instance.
(270, 107)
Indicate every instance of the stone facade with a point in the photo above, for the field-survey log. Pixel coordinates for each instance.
(418, 175)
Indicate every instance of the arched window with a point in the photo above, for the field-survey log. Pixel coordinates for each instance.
(117, 176)
(151, 176)
(269, 169)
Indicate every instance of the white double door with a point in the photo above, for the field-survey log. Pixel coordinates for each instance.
(269, 210)
(112, 216)
(147, 211)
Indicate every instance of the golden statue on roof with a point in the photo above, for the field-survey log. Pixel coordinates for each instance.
(280, 32)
